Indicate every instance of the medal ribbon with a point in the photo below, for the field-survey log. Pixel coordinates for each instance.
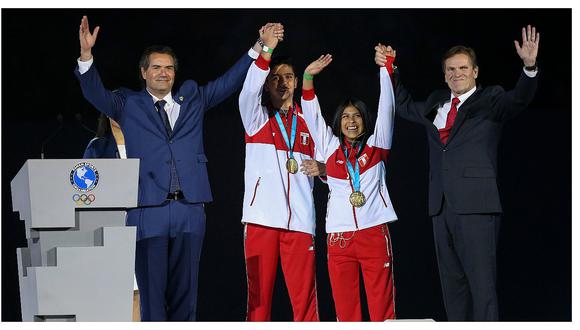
(354, 174)
(285, 135)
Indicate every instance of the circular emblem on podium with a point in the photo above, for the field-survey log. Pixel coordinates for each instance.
(84, 177)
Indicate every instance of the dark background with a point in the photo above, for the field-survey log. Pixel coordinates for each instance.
(39, 51)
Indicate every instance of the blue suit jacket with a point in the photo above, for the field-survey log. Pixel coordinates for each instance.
(145, 136)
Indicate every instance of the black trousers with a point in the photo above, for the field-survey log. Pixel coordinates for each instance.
(466, 245)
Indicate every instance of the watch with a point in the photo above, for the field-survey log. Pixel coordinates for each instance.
(532, 68)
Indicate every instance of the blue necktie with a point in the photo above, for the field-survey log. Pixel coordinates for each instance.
(174, 184)
(160, 105)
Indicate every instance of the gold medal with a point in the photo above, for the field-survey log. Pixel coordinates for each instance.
(292, 165)
(357, 199)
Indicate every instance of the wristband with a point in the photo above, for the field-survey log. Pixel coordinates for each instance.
(308, 77)
(267, 49)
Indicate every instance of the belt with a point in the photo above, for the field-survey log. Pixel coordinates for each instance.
(177, 195)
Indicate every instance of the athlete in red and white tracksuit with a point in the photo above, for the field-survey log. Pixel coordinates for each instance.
(278, 210)
(358, 237)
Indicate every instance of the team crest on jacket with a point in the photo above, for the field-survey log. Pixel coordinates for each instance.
(304, 138)
(363, 160)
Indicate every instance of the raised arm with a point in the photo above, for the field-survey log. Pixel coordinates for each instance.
(251, 110)
(216, 91)
(313, 69)
(321, 133)
(508, 104)
(314, 167)
(87, 39)
(405, 106)
(107, 102)
(270, 35)
(528, 51)
(383, 134)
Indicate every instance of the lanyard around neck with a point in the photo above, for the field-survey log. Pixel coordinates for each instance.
(289, 142)
(354, 173)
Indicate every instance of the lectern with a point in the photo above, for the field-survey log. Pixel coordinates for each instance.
(80, 258)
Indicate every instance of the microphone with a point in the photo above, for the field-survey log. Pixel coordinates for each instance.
(59, 119)
(79, 118)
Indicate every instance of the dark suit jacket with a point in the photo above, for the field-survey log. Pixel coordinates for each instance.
(146, 138)
(464, 171)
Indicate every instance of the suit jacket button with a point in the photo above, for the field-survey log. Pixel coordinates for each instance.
(444, 149)
(170, 141)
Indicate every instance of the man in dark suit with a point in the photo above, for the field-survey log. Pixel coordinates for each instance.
(164, 130)
(463, 130)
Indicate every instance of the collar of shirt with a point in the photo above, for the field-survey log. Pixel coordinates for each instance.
(171, 107)
(283, 114)
(463, 97)
(352, 149)
(441, 117)
(167, 98)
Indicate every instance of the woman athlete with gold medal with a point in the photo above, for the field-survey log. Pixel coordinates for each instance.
(359, 206)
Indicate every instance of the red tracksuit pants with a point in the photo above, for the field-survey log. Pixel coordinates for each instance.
(263, 247)
(370, 250)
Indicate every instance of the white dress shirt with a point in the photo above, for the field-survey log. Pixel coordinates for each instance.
(442, 112)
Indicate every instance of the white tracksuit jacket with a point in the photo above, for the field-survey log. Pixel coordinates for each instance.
(272, 196)
(341, 216)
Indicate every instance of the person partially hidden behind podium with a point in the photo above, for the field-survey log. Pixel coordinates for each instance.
(164, 130)
(107, 141)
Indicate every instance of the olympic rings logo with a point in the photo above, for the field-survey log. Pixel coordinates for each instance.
(83, 199)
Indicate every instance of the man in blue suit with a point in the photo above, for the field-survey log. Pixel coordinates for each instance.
(164, 130)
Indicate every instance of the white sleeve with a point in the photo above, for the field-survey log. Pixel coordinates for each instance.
(531, 74)
(324, 140)
(84, 66)
(253, 54)
(383, 135)
(318, 156)
(253, 114)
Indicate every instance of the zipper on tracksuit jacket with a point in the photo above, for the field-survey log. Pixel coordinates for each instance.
(381, 193)
(255, 190)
